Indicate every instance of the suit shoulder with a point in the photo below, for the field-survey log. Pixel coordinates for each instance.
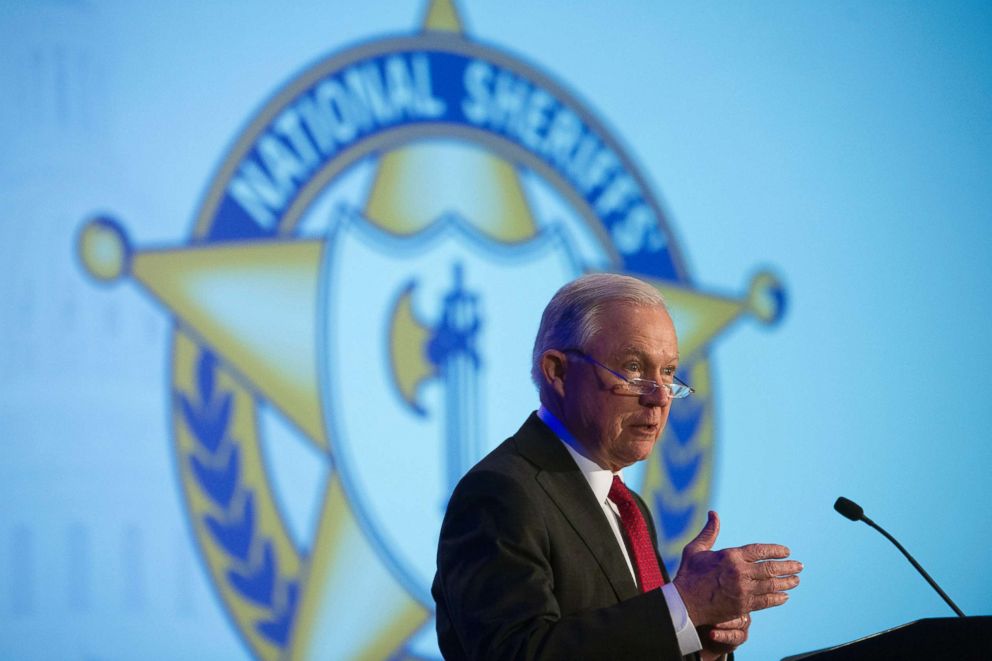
(500, 469)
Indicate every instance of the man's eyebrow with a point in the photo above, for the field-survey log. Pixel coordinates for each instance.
(638, 352)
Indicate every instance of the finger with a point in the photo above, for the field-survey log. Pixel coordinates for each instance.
(733, 637)
(736, 623)
(707, 536)
(770, 600)
(756, 552)
(778, 584)
(773, 568)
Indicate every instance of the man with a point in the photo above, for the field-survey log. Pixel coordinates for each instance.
(544, 553)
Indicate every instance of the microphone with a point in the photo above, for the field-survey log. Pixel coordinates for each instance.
(855, 512)
(849, 508)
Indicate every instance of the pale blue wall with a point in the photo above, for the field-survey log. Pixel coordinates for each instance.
(846, 145)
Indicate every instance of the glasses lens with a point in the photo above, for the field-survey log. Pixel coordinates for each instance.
(646, 387)
(642, 386)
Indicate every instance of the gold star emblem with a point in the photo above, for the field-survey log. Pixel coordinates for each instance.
(256, 307)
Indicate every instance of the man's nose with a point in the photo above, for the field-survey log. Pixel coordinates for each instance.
(662, 396)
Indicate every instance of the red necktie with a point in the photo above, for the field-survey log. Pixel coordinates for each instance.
(644, 558)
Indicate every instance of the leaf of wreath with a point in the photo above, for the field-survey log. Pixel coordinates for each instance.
(277, 629)
(684, 420)
(673, 520)
(681, 475)
(258, 585)
(207, 423)
(236, 534)
(219, 482)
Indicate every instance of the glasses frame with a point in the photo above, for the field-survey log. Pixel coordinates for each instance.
(679, 390)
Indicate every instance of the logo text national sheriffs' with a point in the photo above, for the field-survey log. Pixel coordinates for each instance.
(401, 89)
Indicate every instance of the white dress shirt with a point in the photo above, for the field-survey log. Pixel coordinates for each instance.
(600, 480)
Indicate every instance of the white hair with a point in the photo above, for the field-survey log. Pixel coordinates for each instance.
(572, 317)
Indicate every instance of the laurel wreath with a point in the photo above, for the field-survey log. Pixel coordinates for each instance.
(681, 463)
(233, 528)
(253, 576)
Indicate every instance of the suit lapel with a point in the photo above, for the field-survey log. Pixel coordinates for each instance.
(566, 486)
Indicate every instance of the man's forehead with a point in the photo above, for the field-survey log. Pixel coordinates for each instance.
(642, 330)
(649, 355)
(616, 315)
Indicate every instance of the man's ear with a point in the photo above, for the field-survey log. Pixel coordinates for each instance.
(553, 367)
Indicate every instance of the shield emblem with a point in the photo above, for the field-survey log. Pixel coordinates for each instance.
(425, 338)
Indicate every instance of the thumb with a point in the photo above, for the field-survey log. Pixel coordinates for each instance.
(706, 538)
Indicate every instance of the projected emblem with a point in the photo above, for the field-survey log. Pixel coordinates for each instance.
(355, 310)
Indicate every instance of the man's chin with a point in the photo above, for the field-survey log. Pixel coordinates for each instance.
(637, 449)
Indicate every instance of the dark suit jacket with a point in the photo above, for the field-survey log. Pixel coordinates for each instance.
(528, 566)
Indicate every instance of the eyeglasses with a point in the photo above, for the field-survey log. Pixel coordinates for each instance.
(677, 390)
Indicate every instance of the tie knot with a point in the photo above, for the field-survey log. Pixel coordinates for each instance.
(619, 493)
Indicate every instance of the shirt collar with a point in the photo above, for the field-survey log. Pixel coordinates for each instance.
(600, 479)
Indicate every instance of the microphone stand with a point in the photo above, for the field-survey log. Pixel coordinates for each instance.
(920, 569)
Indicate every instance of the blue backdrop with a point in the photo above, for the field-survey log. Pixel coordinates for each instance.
(845, 146)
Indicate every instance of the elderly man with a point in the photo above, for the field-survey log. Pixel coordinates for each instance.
(544, 553)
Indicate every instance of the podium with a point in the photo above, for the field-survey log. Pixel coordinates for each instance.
(964, 638)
